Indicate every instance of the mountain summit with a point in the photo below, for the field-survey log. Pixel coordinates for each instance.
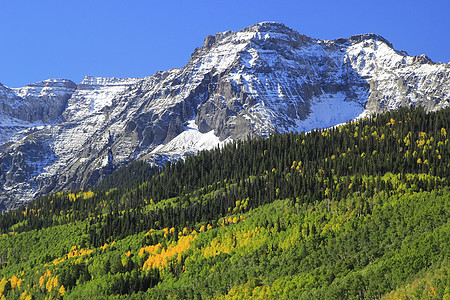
(264, 79)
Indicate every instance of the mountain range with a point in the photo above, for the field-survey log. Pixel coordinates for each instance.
(265, 79)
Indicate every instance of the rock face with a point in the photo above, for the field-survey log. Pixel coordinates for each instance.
(261, 80)
(36, 104)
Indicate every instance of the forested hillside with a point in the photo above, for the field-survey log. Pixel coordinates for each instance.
(357, 211)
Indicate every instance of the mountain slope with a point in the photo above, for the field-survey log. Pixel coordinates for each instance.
(36, 104)
(359, 211)
(261, 80)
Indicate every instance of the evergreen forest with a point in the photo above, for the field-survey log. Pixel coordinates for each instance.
(357, 211)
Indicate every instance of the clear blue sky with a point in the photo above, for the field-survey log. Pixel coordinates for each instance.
(135, 38)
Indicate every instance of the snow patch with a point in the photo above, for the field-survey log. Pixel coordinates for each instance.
(329, 110)
(190, 141)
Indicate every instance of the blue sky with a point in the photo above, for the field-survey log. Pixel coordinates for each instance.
(136, 38)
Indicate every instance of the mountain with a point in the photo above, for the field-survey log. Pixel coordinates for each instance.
(261, 80)
(357, 211)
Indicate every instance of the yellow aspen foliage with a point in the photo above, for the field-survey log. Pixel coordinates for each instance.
(15, 282)
(172, 230)
(230, 241)
(149, 249)
(208, 227)
(75, 252)
(88, 195)
(160, 259)
(443, 131)
(202, 228)
(43, 277)
(217, 246)
(72, 196)
(185, 231)
(125, 260)
(432, 291)
(51, 283)
(128, 253)
(235, 220)
(58, 260)
(24, 296)
(419, 161)
(391, 122)
(420, 143)
(2, 284)
(61, 291)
